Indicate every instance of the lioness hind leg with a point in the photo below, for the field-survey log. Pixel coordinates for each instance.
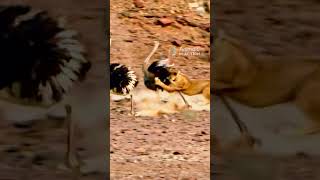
(309, 103)
(206, 93)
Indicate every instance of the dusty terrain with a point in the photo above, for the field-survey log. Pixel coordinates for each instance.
(270, 28)
(173, 146)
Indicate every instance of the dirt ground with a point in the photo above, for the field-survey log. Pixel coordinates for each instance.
(167, 147)
(270, 28)
(35, 151)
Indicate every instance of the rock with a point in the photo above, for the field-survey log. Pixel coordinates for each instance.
(176, 42)
(165, 21)
(122, 131)
(204, 133)
(138, 3)
(177, 153)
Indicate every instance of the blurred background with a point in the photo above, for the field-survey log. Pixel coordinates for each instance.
(274, 29)
(36, 149)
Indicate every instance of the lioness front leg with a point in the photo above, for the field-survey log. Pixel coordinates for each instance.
(164, 86)
(309, 103)
(206, 93)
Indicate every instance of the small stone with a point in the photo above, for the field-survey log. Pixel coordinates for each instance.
(165, 21)
(138, 3)
(177, 153)
(204, 133)
(176, 42)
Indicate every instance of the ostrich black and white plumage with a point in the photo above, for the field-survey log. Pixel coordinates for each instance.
(160, 69)
(40, 59)
(123, 80)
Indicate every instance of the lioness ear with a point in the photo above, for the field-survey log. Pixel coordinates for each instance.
(178, 73)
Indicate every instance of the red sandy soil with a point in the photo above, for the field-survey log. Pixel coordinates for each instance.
(167, 147)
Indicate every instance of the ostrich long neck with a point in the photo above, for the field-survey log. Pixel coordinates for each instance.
(156, 45)
(146, 61)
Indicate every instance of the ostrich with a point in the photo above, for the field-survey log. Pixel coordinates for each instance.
(123, 80)
(41, 61)
(160, 69)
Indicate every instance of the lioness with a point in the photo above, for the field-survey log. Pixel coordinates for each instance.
(181, 82)
(261, 82)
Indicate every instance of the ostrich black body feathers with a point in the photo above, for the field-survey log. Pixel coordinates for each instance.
(158, 69)
(40, 59)
(122, 79)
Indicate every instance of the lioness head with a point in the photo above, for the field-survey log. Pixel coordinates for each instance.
(177, 79)
(233, 65)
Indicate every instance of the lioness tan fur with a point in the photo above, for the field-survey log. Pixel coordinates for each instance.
(261, 82)
(181, 82)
